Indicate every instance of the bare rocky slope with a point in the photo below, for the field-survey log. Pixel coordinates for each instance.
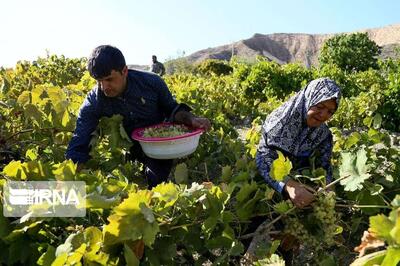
(293, 47)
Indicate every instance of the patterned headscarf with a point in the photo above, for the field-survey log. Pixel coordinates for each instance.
(286, 127)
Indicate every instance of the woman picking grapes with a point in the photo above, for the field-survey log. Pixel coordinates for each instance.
(297, 129)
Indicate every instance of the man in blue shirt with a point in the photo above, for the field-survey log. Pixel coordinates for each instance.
(142, 98)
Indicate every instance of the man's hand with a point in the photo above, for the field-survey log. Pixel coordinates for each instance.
(299, 194)
(189, 119)
(201, 122)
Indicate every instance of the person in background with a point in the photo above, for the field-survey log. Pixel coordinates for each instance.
(157, 67)
(142, 98)
(297, 129)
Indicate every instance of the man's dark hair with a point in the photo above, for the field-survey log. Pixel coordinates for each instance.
(104, 59)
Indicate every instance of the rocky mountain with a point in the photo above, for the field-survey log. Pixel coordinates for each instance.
(293, 47)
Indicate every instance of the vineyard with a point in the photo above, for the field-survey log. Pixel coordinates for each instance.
(206, 214)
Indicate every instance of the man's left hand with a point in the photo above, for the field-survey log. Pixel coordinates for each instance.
(201, 122)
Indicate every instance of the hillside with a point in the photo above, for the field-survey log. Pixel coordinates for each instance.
(293, 47)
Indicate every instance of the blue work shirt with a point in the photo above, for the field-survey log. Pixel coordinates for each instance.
(146, 101)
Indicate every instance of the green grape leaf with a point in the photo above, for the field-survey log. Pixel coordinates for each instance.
(246, 210)
(77, 255)
(67, 247)
(147, 212)
(269, 193)
(167, 193)
(60, 260)
(392, 257)
(93, 238)
(34, 113)
(368, 121)
(66, 118)
(377, 121)
(227, 217)
(273, 260)
(208, 225)
(226, 173)
(128, 221)
(241, 163)
(396, 201)
(237, 248)
(241, 176)
(228, 232)
(98, 258)
(218, 242)
(16, 233)
(15, 170)
(97, 201)
(65, 171)
(131, 205)
(130, 227)
(24, 98)
(381, 226)
(282, 207)
(122, 132)
(355, 167)
(47, 258)
(395, 232)
(352, 140)
(371, 259)
(280, 167)
(130, 257)
(245, 191)
(32, 154)
(181, 174)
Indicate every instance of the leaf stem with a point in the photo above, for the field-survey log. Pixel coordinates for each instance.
(206, 170)
(279, 217)
(333, 183)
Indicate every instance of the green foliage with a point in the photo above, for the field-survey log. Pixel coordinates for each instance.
(267, 79)
(355, 170)
(54, 70)
(280, 167)
(390, 108)
(180, 65)
(350, 52)
(214, 67)
(181, 174)
(383, 230)
(204, 218)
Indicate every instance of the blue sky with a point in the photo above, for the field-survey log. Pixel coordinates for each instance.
(167, 28)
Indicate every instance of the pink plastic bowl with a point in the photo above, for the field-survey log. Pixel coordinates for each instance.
(168, 147)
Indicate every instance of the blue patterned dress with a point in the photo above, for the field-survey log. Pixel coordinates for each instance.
(285, 129)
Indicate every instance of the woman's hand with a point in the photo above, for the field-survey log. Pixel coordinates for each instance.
(299, 194)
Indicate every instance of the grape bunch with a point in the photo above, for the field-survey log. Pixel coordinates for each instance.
(294, 227)
(324, 211)
(165, 131)
(315, 228)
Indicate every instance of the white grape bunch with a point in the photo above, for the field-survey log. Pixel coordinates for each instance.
(165, 131)
(321, 233)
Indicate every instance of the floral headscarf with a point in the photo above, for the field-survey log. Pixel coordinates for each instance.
(286, 128)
